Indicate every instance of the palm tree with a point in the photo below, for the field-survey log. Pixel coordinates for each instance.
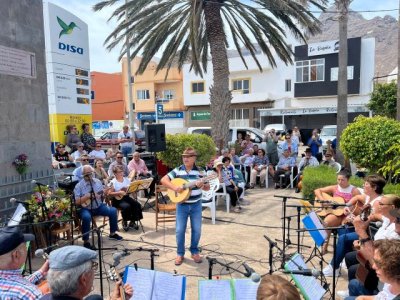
(342, 112)
(190, 30)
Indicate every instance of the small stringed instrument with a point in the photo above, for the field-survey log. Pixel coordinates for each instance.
(114, 276)
(186, 185)
(323, 211)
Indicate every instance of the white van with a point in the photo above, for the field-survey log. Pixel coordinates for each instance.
(256, 135)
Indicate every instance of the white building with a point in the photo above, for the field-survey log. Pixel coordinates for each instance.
(251, 89)
(303, 94)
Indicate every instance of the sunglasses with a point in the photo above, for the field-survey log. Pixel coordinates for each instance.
(85, 159)
(120, 157)
(98, 146)
(383, 204)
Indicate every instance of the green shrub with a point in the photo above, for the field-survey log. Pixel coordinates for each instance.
(315, 178)
(366, 141)
(177, 143)
(391, 169)
(392, 189)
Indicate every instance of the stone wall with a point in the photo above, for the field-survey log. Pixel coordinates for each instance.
(24, 120)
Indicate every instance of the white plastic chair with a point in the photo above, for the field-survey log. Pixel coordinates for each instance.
(291, 178)
(208, 198)
(223, 193)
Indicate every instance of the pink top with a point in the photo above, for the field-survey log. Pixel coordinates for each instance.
(345, 193)
(139, 167)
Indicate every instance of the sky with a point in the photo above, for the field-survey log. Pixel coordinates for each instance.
(102, 60)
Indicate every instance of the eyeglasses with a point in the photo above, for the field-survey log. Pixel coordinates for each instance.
(95, 265)
(287, 138)
(382, 204)
(120, 157)
(98, 146)
(85, 159)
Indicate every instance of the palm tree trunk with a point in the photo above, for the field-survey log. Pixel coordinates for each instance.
(342, 112)
(220, 96)
(398, 68)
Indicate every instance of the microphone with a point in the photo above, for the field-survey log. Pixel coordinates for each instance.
(117, 257)
(306, 272)
(37, 183)
(42, 251)
(13, 200)
(251, 273)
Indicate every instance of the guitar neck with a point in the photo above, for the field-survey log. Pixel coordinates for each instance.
(191, 184)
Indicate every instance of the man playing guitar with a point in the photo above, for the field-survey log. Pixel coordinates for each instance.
(89, 196)
(190, 208)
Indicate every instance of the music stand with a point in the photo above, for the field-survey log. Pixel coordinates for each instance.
(139, 185)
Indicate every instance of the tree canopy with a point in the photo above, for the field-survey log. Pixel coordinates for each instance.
(383, 99)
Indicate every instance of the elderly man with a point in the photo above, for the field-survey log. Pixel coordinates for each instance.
(190, 208)
(125, 140)
(89, 198)
(77, 173)
(137, 168)
(284, 166)
(71, 275)
(13, 254)
(119, 161)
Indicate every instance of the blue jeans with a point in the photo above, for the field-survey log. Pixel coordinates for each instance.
(183, 212)
(343, 246)
(102, 210)
(126, 150)
(356, 288)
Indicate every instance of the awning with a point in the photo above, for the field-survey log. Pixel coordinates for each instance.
(264, 112)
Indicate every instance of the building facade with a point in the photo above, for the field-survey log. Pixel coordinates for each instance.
(251, 88)
(108, 106)
(150, 89)
(315, 74)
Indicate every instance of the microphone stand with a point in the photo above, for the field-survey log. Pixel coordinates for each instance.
(92, 197)
(272, 244)
(335, 233)
(152, 254)
(212, 261)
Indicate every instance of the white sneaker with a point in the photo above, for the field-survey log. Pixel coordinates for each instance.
(328, 271)
(343, 293)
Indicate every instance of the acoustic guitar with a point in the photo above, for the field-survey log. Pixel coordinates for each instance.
(364, 270)
(186, 185)
(323, 211)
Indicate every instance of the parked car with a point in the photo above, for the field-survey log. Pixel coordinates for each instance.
(279, 128)
(328, 132)
(107, 138)
(256, 135)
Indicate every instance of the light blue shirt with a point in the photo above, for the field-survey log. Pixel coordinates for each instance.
(286, 162)
(84, 187)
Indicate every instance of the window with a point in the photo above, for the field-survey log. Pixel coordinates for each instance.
(198, 87)
(310, 70)
(335, 71)
(288, 85)
(169, 94)
(241, 85)
(143, 94)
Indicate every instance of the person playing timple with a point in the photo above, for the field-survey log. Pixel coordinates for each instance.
(13, 255)
(190, 208)
(71, 274)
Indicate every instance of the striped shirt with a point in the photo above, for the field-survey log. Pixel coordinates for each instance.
(192, 175)
(14, 286)
(84, 187)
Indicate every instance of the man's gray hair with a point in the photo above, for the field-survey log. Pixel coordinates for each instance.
(66, 282)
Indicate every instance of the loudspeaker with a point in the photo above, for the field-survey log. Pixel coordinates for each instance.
(155, 137)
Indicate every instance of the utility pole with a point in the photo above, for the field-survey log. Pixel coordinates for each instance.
(398, 67)
(342, 112)
(129, 70)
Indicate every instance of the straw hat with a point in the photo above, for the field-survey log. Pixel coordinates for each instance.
(217, 163)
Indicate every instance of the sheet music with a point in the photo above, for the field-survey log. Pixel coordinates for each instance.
(309, 286)
(155, 285)
(168, 286)
(311, 221)
(142, 282)
(245, 289)
(17, 216)
(215, 290)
